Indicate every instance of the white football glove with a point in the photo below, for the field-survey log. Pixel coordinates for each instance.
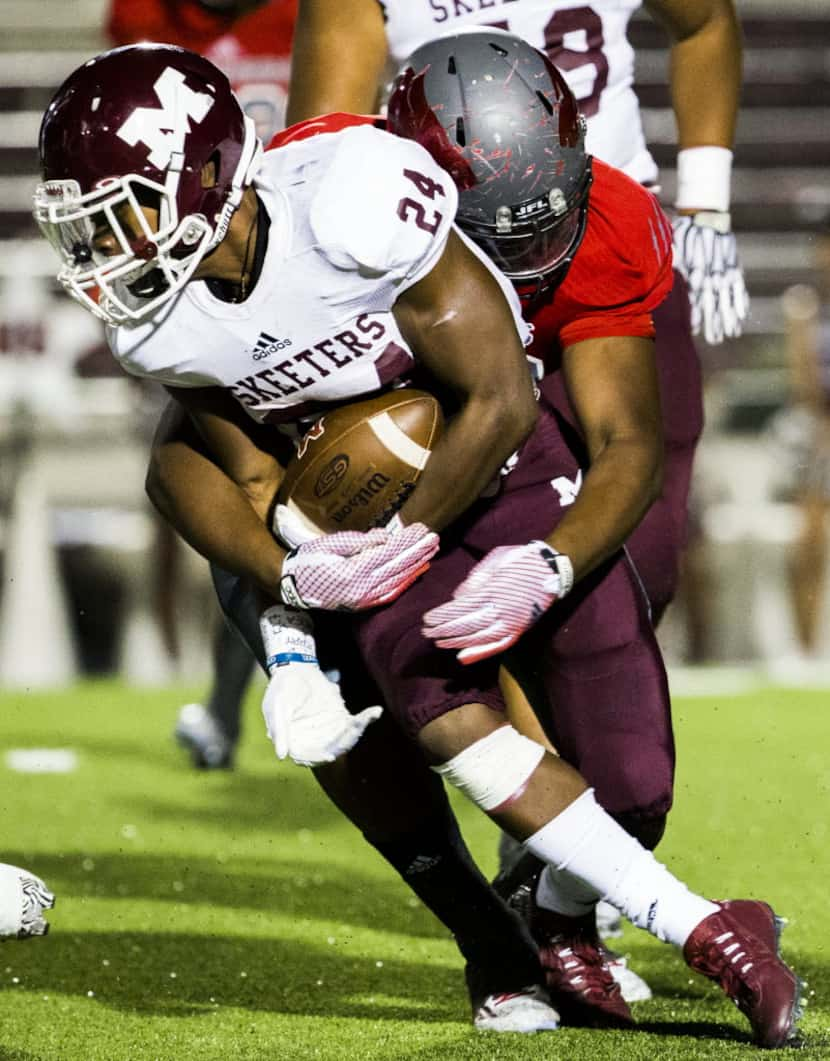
(23, 900)
(305, 716)
(352, 570)
(706, 254)
(501, 598)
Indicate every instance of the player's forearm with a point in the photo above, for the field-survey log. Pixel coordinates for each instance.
(468, 457)
(349, 91)
(215, 515)
(338, 57)
(620, 486)
(705, 72)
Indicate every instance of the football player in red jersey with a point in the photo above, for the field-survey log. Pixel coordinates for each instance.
(342, 49)
(342, 238)
(251, 41)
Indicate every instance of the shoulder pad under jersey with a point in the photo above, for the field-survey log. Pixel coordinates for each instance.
(383, 206)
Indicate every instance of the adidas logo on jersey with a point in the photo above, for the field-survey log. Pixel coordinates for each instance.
(266, 345)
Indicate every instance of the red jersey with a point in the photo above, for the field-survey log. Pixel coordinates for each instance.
(253, 50)
(620, 273)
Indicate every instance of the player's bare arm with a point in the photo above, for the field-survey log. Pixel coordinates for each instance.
(613, 388)
(214, 484)
(462, 330)
(705, 65)
(705, 85)
(612, 383)
(338, 57)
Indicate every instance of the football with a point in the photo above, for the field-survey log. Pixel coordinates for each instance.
(357, 465)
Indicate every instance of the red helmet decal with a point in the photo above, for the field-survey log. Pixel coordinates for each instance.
(410, 115)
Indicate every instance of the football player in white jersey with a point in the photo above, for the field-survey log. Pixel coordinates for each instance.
(341, 244)
(24, 899)
(149, 165)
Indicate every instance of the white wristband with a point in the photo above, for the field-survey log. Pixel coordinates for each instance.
(287, 636)
(559, 563)
(566, 574)
(703, 178)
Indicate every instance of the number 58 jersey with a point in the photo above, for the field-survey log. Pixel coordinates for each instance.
(585, 39)
(357, 216)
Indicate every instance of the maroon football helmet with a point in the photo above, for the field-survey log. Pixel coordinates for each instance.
(134, 128)
(500, 118)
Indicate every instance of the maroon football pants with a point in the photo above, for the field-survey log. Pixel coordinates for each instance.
(594, 654)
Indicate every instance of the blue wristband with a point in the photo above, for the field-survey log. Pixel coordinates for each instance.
(282, 659)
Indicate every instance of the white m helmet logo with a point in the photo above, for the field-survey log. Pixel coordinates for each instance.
(164, 128)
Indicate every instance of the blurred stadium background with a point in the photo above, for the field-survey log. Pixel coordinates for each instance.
(235, 915)
(92, 584)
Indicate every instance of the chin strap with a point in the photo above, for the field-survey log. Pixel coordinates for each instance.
(250, 159)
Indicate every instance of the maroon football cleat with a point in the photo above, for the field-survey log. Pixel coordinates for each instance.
(737, 947)
(576, 972)
(756, 917)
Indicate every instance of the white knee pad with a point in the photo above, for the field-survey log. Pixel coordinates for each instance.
(493, 769)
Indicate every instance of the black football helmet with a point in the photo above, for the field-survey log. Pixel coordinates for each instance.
(498, 116)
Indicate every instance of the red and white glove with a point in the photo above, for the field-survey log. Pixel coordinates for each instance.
(353, 570)
(500, 599)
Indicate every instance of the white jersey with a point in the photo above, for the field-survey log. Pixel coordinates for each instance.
(357, 217)
(586, 41)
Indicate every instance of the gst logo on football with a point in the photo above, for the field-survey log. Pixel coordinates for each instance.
(567, 488)
(331, 475)
(164, 128)
(267, 344)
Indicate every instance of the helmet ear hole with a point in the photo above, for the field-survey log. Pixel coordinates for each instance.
(210, 171)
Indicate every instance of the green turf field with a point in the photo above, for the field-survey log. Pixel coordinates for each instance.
(236, 916)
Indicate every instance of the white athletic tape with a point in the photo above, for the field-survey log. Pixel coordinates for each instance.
(398, 442)
(287, 637)
(493, 769)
